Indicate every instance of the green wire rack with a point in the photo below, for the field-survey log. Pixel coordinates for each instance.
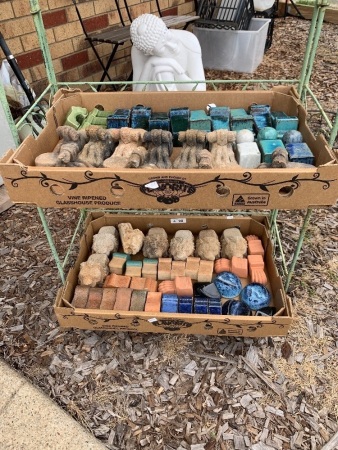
(304, 90)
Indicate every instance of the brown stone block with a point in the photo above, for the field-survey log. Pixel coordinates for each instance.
(137, 283)
(205, 271)
(80, 296)
(108, 298)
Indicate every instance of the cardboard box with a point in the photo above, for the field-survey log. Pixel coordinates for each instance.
(238, 188)
(146, 322)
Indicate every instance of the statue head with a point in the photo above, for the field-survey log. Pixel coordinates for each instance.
(148, 32)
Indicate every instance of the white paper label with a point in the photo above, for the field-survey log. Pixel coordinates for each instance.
(229, 217)
(152, 320)
(181, 220)
(152, 185)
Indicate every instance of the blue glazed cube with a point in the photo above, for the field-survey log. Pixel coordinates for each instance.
(185, 305)
(220, 117)
(159, 121)
(169, 303)
(140, 116)
(120, 118)
(261, 121)
(300, 152)
(255, 109)
(267, 147)
(201, 305)
(199, 120)
(215, 306)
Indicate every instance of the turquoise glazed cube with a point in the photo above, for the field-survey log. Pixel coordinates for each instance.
(267, 147)
(283, 122)
(241, 120)
(199, 120)
(179, 121)
(300, 152)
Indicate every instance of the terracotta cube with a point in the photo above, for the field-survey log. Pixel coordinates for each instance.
(205, 271)
(184, 286)
(177, 269)
(108, 298)
(222, 265)
(255, 247)
(118, 281)
(255, 262)
(94, 298)
(123, 297)
(251, 237)
(164, 268)
(258, 276)
(153, 302)
(137, 283)
(167, 287)
(191, 267)
(239, 266)
(150, 285)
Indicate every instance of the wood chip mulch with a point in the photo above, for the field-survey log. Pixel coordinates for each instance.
(177, 392)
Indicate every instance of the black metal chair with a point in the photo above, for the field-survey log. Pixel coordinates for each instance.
(116, 36)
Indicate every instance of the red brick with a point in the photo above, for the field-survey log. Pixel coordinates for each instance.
(55, 18)
(108, 298)
(30, 59)
(94, 298)
(75, 60)
(170, 12)
(96, 23)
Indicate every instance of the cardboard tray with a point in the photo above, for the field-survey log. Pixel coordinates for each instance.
(146, 322)
(239, 188)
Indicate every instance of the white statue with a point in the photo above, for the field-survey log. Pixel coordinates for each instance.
(160, 54)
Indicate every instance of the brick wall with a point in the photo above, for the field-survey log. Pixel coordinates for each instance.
(73, 59)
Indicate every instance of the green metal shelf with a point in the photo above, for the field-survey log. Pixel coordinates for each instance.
(304, 91)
